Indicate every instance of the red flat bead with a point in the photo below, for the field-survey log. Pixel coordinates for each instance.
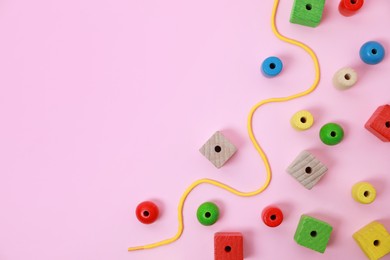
(350, 7)
(147, 212)
(272, 216)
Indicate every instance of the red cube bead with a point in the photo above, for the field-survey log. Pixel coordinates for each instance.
(350, 7)
(379, 123)
(228, 246)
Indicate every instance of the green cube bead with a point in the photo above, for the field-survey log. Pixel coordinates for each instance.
(313, 233)
(307, 12)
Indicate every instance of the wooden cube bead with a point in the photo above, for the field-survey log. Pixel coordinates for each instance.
(307, 169)
(345, 78)
(379, 123)
(374, 240)
(313, 233)
(228, 246)
(218, 149)
(307, 12)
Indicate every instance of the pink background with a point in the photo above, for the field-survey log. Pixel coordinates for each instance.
(104, 104)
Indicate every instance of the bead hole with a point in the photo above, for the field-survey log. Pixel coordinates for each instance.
(366, 193)
(308, 7)
(333, 134)
(313, 233)
(303, 120)
(376, 242)
(353, 2)
(387, 124)
(217, 149)
(347, 76)
(145, 213)
(272, 217)
(228, 249)
(308, 170)
(272, 66)
(207, 214)
(374, 51)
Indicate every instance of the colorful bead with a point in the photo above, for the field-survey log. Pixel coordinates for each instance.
(345, 78)
(372, 52)
(379, 123)
(307, 169)
(350, 7)
(271, 67)
(228, 246)
(374, 240)
(218, 149)
(307, 12)
(302, 120)
(207, 213)
(313, 233)
(272, 216)
(147, 212)
(363, 192)
(331, 134)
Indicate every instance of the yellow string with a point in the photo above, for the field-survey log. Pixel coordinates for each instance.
(251, 136)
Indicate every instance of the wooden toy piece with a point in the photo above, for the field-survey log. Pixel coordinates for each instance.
(379, 123)
(147, 212)
(272, 216)
(218, 149)
(374, 240)
(345, 78)
(363, 192)
(307, 169)
(302, 120)
(331, 134)
(372, 52)
(228, 246)
(307, 12)
(207, 213)
(350, 7)
(313, 233)
(271, 67)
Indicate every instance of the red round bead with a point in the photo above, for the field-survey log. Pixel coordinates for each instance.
(147, 212)
(272, 216)
(350, 7)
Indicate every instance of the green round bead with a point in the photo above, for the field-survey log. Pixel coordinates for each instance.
(331, 134)
(207, 213)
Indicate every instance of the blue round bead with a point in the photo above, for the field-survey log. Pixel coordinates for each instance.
(271, 66)
(372, 52)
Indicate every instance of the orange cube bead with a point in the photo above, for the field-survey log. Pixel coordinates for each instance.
(379, 123)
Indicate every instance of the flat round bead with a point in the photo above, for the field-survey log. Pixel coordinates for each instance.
(331, 134)
(272, 216)
(372, 52)
(345, 78)
(271, 66)
(147, 212)
(302, 120)
(363, 192)
(350, 7)
(207, 213)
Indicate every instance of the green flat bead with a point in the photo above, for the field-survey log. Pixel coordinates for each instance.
(207, 213)
(331, 134)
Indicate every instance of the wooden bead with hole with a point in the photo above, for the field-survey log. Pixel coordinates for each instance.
(228, 246)
(272, 216)
(302, 120)
(345, 78)
(147, 212)
(379, 123)
(363, 192)
(350, 7)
